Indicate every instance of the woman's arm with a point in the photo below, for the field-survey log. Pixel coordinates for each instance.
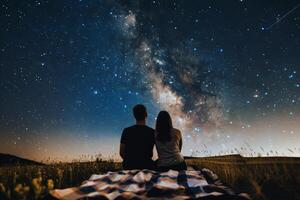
(180, 141)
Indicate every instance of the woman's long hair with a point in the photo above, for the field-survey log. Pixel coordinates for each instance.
(163, 126)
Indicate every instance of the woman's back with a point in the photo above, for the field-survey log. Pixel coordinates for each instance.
(169, 151)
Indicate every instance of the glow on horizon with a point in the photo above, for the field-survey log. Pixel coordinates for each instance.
(280, 139)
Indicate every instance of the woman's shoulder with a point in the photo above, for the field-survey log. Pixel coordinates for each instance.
(176, 131)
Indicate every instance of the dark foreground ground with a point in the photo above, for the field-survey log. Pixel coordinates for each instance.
(263, 178)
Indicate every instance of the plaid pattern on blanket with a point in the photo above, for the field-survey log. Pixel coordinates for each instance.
(147, 184)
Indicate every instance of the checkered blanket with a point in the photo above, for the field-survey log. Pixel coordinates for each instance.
(147, 184)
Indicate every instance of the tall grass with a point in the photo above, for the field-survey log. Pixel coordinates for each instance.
(35, 181)
(262, 178)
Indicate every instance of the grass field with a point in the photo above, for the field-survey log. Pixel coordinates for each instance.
(262, 178)
(34, 181)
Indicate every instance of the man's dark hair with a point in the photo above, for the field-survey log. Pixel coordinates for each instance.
(139, 112)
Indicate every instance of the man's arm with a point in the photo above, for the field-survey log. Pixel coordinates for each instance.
(122, 144)
(152, 144)
(122, 150)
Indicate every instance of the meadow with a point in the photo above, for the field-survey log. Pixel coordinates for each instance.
(22, 182)
(262, 178)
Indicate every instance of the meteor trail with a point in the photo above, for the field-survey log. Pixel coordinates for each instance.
(284, 16)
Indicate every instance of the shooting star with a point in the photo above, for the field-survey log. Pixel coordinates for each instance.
(281, 18)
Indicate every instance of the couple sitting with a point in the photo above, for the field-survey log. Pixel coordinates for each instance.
(137, 142)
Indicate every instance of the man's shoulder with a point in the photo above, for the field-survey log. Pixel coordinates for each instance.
(130, 128)
(135, 127)
(150, 129)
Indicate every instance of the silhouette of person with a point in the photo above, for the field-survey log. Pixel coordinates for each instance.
(137, 142)
(168, 141)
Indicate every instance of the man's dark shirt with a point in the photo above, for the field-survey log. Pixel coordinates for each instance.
(139, 141)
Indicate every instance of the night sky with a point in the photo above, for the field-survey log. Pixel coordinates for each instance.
(227, 71)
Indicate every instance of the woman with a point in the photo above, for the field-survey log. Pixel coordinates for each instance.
(168, 143)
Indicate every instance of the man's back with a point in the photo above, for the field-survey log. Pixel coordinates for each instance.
(139, 141)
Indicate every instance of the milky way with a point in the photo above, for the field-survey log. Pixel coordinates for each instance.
(72, 71)
(190, 106)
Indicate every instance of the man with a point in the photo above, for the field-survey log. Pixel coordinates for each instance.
(137, 142)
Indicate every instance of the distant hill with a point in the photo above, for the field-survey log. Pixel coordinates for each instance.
(7, 159)
(231, 156)
(238, 159)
